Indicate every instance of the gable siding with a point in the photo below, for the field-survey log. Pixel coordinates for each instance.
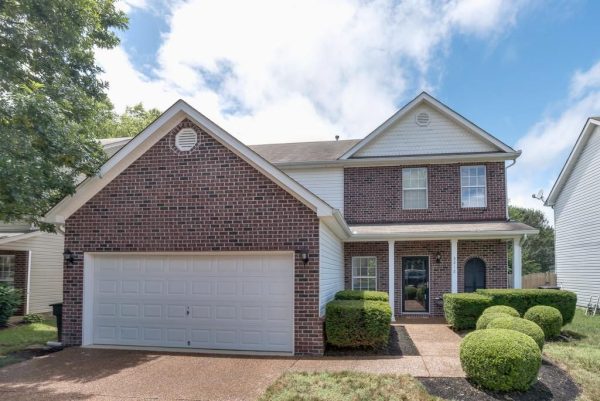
(441, 136)
(331, 266)
(577, 223)
(326, 183)
(16, 226)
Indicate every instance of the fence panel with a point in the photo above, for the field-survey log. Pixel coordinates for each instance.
(534, 280)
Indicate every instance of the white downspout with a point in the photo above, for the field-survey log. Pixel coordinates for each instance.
(28, 293)
(506, 185)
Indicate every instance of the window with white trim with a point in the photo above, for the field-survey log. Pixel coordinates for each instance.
(364, 273)
(7, 269)
(414, 188)
(473, 192)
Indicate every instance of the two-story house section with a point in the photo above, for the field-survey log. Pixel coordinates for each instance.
(189, 238)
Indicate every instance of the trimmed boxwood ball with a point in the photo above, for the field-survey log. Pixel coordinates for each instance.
(366, 295)
(521, 325)
(358, 323)
(548, 318)
(502, 309)
(500, 359)
(486, 318)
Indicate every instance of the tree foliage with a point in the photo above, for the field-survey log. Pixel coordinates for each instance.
(538, 250)
(130, 123)
(51, 99)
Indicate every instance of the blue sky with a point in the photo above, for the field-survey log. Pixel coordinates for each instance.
(525, 71)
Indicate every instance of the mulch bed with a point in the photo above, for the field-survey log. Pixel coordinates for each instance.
(399, 344)
(553, 384)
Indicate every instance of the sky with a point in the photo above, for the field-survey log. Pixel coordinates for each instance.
(528, 72)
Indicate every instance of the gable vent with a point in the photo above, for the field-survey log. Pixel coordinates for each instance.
(422, 119)
(186, 139)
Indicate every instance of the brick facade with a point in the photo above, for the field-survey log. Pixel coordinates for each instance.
(207, 199)
(20, 278)
(373, 195)
(492, 252)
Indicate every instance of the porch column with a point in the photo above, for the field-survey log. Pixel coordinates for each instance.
(454, 265)
(517, 266)
(391, 276)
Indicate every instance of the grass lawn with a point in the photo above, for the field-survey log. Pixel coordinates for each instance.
(581, 355)
(17, 338)
(345, 386)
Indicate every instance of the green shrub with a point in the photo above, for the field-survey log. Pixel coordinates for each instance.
(500, 359)
(486, 318)
(502, 309)
(10, 300)
(410, 292)
(463, 310)
(366, 295)
(523, 299)
(421, 294)
(357, 323)
(33, 318)
(521, 325)
(548, 318)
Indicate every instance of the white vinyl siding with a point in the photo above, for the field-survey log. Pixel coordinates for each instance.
(7, 269)
(577, 225)
(473, 188)
(13, 227)
(46, 275)
(441, 136)
(326, 183)
(364, 273)
(414, 188)
(331, 266)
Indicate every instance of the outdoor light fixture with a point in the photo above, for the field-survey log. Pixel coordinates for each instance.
(69, 257)
(438, 257)
(304, 255)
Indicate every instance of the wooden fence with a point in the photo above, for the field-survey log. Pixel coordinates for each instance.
(534, 280)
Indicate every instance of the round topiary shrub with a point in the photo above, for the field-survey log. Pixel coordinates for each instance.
(521, 325)
(502, 309)
(486, 318)
(500, 359)
(548, 318)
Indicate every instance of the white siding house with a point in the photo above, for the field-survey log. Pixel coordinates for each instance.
(576, 202)
(331, 266)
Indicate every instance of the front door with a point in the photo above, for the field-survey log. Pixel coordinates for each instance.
(415, 284)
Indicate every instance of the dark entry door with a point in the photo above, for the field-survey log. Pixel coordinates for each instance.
(474, 275)
(415, 284)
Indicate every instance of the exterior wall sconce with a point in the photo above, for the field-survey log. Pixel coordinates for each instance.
(303, 255)
(438, 257)
(69, 257)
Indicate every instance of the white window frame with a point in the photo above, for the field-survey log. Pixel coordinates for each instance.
(5, 264)
(462, 200)
(426, 188)
(360, 258)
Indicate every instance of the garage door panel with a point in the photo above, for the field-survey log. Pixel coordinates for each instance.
(213, 302)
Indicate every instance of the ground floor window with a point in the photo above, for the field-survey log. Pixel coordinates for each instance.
(415, 284)
(7, 269)
(364, 273)
(474, 274)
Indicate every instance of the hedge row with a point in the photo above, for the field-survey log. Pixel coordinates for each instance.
(463, 310)
(366, 295)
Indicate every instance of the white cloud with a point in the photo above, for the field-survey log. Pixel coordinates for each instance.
(548, 143)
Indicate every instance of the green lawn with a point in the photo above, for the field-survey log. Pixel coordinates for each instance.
(581, 355)
(19, 337)
(345, 386)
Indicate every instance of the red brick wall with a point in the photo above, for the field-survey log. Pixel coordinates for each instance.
(493, 253)
(207, 199)
(377, 249)
(21, 264)
(374, 195)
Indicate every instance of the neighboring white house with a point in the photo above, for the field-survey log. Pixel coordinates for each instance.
(575, 198)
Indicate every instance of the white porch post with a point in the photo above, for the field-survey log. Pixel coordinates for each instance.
(454, 265)
(391, 276)
(517, 264)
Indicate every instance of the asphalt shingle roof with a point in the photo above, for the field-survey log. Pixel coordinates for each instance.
(304, 151)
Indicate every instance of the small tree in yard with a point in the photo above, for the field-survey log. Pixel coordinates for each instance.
(538, 250)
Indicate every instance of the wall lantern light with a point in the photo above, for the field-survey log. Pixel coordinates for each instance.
(303, 255)
(438, 257)
(69, 257)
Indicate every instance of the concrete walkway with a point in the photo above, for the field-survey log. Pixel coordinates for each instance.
(106, 375)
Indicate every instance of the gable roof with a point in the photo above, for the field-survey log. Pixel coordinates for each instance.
(571, 162)
(442, 108)
(139, 144)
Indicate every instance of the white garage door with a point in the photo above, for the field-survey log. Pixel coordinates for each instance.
(241, 302)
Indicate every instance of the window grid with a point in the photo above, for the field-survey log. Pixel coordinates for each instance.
(473, 186)
(364, 273)
(414, 188)
(7, 268)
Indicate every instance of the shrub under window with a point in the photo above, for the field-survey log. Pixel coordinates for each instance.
(357, 323)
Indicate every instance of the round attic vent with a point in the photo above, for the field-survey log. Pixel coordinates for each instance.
(422, 119)
(186, 139)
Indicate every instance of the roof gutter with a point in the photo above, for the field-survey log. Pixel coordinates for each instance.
(442, 236)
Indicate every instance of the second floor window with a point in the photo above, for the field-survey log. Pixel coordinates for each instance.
(414, 188)
(473, 186)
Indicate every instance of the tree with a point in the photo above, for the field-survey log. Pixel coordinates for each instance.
(131, 122)
(51, 99)
(538, 250)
